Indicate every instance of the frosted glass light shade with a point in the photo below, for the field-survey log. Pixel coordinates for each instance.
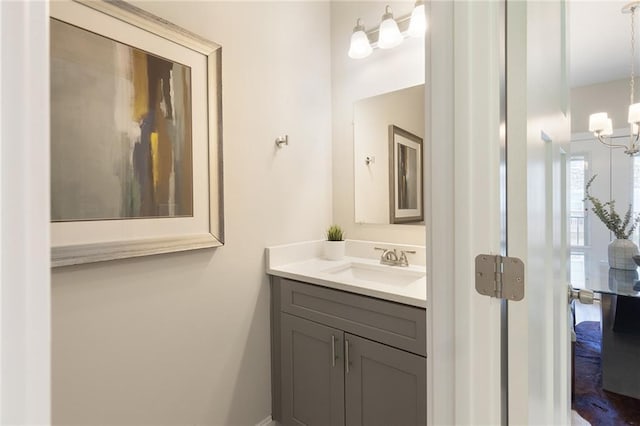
(389, 35)
(634, 113)
(360, 46)
(608, 128)
(418, 23)
(598, 121)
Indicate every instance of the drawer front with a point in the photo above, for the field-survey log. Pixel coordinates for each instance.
(391, 323)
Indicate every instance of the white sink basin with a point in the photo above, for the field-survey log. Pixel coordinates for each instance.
(393, 275)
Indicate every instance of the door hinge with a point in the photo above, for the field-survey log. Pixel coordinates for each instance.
(500, 277)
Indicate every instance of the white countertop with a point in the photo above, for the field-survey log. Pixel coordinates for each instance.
(304, 262)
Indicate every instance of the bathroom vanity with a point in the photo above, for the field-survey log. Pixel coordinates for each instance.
(344, 352)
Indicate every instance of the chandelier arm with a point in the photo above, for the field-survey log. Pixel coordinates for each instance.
(611, 145)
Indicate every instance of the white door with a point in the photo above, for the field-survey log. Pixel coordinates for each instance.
(538, 133)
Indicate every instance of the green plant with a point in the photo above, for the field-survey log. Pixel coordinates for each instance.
(334, 233)
(607, 214)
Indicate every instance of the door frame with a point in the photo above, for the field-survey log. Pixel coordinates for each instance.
(538, 133)
(465, 381)
(464, 336)
(25, 294)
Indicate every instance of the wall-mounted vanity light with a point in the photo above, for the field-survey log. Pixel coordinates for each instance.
(390, 33)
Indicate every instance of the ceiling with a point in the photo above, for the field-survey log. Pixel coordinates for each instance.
(600, 41)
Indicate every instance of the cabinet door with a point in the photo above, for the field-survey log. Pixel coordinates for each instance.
(383, 385)
(312, 373)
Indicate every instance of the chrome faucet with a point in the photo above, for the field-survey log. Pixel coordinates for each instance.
(390, 257)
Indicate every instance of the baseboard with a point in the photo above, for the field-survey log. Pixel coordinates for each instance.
(268, 421)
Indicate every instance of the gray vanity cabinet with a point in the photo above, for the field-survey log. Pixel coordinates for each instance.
(344, 359)
(312, 374)
(383, 385)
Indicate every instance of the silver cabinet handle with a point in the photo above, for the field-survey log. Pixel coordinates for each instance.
(346, 355)
(333, 350)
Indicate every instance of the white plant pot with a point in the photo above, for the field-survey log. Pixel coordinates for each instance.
(334, 250)
(621, 252)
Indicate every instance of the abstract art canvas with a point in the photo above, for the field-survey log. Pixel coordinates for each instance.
(121, 130)
(136, 134)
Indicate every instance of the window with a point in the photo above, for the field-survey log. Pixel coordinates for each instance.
(577, 183)
(578, 219)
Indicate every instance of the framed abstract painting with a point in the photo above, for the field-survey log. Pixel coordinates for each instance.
(136, 135)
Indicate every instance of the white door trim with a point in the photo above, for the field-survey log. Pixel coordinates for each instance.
(440, 251)
(464, 346)
(25, 338)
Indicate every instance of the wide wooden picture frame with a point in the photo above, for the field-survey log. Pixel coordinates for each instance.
(79, 237)
(406, 199)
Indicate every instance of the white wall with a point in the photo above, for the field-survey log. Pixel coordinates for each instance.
(352, 80)
(371, 119)
(184, 338)
(611, 97)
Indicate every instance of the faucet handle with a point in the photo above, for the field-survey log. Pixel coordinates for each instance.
(403, 257)
(388, 256)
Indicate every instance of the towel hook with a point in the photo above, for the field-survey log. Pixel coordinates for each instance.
(282, 140)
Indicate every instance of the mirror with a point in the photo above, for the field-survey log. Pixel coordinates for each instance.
(388, 135)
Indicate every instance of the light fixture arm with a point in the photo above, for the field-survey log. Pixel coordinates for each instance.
(631, 149)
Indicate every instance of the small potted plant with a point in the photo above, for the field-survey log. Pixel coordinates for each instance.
(334, 246)
(622, 249)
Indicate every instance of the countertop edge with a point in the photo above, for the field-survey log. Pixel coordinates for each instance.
(392, 297)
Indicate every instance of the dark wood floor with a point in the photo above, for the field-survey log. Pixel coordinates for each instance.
(597, 406)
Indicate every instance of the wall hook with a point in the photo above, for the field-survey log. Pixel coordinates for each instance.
(282, 140)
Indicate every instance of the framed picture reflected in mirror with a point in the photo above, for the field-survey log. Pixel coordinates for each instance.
(406, 203)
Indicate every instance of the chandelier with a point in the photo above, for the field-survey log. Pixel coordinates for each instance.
(600, 123)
